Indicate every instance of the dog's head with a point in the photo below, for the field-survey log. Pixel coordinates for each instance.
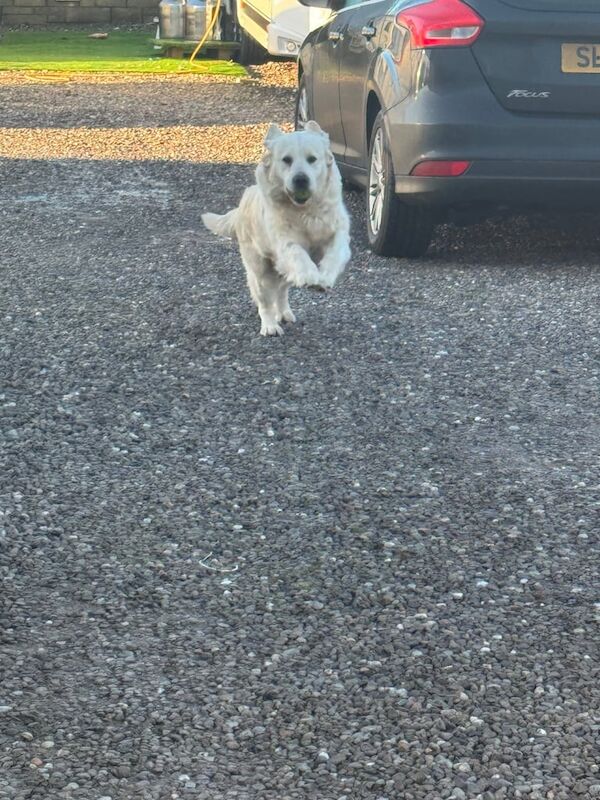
(297, 165)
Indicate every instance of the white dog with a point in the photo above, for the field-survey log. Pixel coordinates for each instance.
(291, 218)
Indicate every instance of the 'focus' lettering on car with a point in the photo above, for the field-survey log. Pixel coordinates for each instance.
(530, 94)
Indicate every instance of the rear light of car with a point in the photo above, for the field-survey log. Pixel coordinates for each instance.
(441, 23)
(440, 169)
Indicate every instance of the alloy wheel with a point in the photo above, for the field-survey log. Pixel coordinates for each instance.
(377, 183)
(302, 108)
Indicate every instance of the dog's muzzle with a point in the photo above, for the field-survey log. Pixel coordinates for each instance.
(300, 193)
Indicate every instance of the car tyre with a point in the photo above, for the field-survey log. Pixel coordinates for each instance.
(394, 228)
(250, 52)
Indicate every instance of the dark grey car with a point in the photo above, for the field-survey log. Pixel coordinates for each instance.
(447, 109)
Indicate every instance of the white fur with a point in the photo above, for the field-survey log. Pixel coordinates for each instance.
(280, 240)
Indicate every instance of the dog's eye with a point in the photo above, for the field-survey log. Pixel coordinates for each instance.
(311, 159)
(287, 160)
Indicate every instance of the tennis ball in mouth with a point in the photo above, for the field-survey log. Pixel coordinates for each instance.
(301, 195)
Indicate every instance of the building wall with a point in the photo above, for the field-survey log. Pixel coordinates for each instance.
(108, 12)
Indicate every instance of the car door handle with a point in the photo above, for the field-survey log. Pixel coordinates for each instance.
(368, 31)
(335, 36)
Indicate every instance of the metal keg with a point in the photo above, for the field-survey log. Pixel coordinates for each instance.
(196, 19)
(172, 19)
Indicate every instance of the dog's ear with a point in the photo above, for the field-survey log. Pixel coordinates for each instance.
(273, 133)
(313, 127)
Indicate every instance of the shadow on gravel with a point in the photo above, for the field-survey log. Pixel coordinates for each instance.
(521, 239)
(551, 238)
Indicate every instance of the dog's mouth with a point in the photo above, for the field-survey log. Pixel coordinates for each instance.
(299, 197)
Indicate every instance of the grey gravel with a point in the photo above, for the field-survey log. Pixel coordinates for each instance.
(360, 561)
(138, 103)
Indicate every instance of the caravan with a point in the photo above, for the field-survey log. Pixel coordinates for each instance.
(274, 27)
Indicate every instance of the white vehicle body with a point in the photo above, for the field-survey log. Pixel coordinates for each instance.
(280, 26)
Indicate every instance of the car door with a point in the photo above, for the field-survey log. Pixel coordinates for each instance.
(325, 81)
(359, 48)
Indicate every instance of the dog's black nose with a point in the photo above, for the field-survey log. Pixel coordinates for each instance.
(300, 181)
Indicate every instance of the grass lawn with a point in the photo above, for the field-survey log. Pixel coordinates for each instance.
(73, 51)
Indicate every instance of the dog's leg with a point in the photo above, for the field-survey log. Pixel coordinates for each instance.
(268, 308)
(335, 259)
(263, 284)
(285, 313)
(265, 297)
(295, 265)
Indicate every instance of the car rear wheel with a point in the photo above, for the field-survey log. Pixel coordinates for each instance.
(394, 228)
(302, 110)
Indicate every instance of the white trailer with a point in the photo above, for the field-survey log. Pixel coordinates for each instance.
(275, 27)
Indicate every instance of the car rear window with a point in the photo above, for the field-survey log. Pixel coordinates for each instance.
(555, 5)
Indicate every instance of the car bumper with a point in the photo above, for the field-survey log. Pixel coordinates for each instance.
(510, 184)
(516, 160)
(282, 41)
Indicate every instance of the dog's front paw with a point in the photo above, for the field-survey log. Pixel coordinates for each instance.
(306, 275)
(330, 270)
(271, 329)
(288, 315)
(297, 267)
(327, 281)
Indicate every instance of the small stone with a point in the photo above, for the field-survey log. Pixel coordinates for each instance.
(5, 709)
(323, 757)
(28, 737)
(35, 763)
(48, 744)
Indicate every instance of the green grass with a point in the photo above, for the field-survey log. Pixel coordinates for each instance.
(73, 51)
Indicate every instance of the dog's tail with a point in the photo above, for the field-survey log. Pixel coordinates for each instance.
(221, 224)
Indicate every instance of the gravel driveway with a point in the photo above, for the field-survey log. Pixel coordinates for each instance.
(360, 561)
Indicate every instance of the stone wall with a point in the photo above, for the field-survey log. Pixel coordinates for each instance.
(107, 12)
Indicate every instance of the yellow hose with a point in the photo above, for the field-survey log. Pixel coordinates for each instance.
(207, 32)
